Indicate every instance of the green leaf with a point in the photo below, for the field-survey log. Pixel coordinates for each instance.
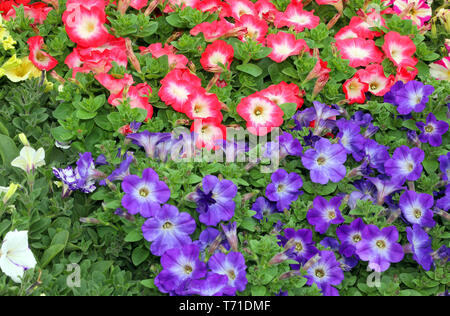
(51, 253)
(250, 69)
(139, 255)
(258, 290)
(149, 283)
(430, 165)
(134, 236)
(61, 134)
(289, 110)
(8, 149)
(83, 115)
(411, 124)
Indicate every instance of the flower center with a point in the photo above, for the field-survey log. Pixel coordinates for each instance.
(144, 192)
(410, 167)
(356, 238)
(417, 213)
(429, 128)
(298, 246)
(187, 269)
(381, 244)
(197, 108)
(167, 225)
(41, 57)
(90, 27)
(331, 214)
(319, 273)
(321, 160)
(280, 188)
(231, 274)
(258, 111)
(373, 86)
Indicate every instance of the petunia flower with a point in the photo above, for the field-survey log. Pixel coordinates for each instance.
(416, 208)
(359, 52)
(399, 49)
(144, 195)
(373, 75)
(263, 208)
(201, 105)
(29, 159)
(376, 154)
(324, 213)
(284, 45)
(444, 165)
(350, 138)
(213, 285)
(283, 93)
(231, 265)
(217, 55)
(379, 247)
(385, 187)
(413, 97)
(168, 229)
(209, 132)
(355, 90)
(420, 244)
(256, 28)
(294, 16)
(241, 7)
(38, 57)
(215, 200)
(121, 171)
(15, 255)
(350, 236)
(325, 272)
(419, 12)
(432, 130)
(405, 163)
(212, 30)
(440, 70)
(180, 266)
(149, 141)
(284, 188)
(325, 162)
(302, 242)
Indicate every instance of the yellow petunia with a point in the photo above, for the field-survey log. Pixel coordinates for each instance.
(20, 69)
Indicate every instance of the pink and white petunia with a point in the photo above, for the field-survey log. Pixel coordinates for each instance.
(217, 55)
(114, 85)
(209, 133)
(37, 56)
(440, 69)
(416, 10)
(399, 49)
(345, 33)
(261, 114)
(256, 28)
(294, 16)
(138, 4)
(406, 73)
(201, 105)
(283, 93)
(138, 98)
(266, 10)
(175, 60)
(86, 26)
(374, 76)
(355, 90)
(284, 45)
(241, 7)
(359, 52)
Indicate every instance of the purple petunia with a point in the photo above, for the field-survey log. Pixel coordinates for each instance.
(144, 195)
(263, 208)
(405, 163)
(180, 265)
(325, 162)
(413, 96)
(376, 154)
(350, 236)
(325, 213)
(231, 265)
(284, 188)
(432, 130)
(420, 246)
(301, 241)
(444, 202)
(168, 229)
(211, 237)
(122, 171)
(350, 138)
(149, 141)
(444, 165)
(366, 191)
(214, 285)
(215, 202)
(416, 208)
(386, 186)
(325, 272)
(379, 247)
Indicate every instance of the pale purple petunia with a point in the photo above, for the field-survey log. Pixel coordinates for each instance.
(214, 285)
(416, 208)
(231, 265)
(325, 162)
(168, 229)
(405, 163)
(379, 247)
(420, 246)
(324, 213)
(350, 138)
(284, 188)
(386, 186)
(325, 272)
(413, 96)
(144, 195)
(432, 130)
(149, 141)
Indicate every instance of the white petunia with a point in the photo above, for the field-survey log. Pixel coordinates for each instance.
(29, 159)
(15, 256)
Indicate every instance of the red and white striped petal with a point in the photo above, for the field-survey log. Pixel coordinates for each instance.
(209, 133)
(399, 49)
(216, 54)
(241, 7)
(359, 52)
(440, 69)
(201, 105)
(295, 16)
(284, 45)
(283, 93)
(374, 76)
(37, 56)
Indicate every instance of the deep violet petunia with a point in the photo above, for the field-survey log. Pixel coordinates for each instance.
(376, 154)
(432, 130)
(148, 141)
(324, 213)
(325, 162)
(365, 191)
(444, 165)
(416, 208)
(121, 171)
(302, 242)
(350, 138)
(379, 247)
(263, 208)
(350, 236)
(405, 163)
(144, 195)
(168, 229)
(215, 200)
(420, 244)
(284, 188)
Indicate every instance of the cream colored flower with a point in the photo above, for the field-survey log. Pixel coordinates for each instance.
(29, 159)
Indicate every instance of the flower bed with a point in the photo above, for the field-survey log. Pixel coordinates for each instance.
(236, 147)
